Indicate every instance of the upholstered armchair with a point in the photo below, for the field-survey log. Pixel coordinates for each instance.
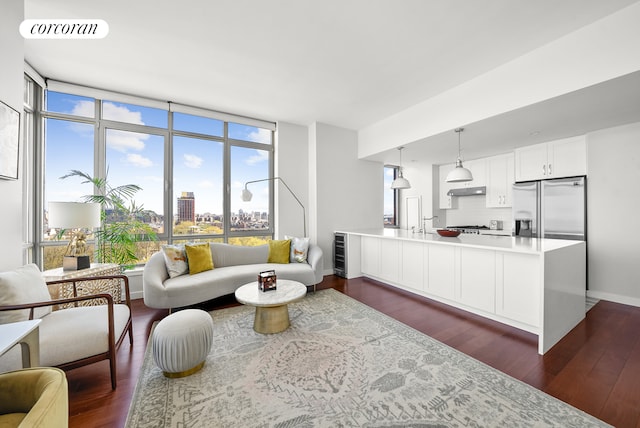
(36, 397)
(76, 330)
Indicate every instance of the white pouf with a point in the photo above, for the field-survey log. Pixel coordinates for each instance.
(182, 341)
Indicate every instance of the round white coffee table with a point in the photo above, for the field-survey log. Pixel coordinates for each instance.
(272, 313)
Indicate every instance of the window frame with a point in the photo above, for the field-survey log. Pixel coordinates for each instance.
(102, 126)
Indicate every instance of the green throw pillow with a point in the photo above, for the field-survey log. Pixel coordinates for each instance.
(279, 251)
(199, 257)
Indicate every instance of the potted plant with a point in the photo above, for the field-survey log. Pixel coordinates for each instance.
(122, 228)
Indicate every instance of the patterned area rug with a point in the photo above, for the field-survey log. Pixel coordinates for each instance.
(340, 364)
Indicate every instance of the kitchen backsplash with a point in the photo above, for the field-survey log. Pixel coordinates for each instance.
(472, 210)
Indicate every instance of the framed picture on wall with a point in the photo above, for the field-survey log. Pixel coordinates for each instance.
(9, 142)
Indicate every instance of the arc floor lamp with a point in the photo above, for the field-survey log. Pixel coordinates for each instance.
(247, 195)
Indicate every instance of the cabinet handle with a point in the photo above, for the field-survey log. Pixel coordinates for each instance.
(549, 169)
(544, 170)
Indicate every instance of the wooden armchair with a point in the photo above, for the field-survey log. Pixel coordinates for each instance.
(82, 329)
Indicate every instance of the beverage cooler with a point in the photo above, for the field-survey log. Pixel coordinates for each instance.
(340, 254)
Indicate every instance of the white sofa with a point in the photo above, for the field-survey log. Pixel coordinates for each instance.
(234, 266)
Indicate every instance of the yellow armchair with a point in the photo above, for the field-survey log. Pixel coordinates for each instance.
(35, 397)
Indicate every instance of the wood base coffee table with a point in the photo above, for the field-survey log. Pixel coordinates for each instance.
(272, 313)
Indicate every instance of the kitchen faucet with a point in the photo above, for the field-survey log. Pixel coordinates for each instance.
(424, 223)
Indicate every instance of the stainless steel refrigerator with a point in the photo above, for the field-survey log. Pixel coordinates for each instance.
(551, 209)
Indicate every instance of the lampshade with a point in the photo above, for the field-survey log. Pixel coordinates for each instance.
(459, 173)
(246, 195)
(400, 182)
(74, 215)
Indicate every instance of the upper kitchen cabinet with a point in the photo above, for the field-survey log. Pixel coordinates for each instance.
(555, 159)
(500, 178)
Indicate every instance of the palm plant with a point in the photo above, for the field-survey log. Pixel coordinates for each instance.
(116, 240)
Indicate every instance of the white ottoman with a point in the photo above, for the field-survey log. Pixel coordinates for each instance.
(182, 341)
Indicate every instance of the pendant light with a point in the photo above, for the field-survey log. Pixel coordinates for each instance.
(459, 173)
(400, 182)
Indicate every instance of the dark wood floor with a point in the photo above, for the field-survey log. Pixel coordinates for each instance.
(595, 368)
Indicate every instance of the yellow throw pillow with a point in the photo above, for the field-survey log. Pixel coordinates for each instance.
(199, 257)
(279, 251)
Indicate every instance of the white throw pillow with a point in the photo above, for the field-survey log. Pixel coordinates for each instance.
(299, 249)
(175, 258)
(23, 285)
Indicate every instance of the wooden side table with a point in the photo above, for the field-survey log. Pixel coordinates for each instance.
(63, 291)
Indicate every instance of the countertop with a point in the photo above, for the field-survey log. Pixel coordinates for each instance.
(491, 242)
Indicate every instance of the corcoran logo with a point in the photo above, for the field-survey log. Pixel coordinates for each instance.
(64, 28)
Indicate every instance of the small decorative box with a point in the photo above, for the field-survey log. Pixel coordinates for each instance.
(267, 280)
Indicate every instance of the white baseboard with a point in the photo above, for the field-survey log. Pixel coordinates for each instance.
(616, 298)
(135, 282)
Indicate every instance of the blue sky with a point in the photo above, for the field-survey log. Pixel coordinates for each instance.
(138, 158)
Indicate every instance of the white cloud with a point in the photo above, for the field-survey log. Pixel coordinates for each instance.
(260, 136)
(84, 108)
(389, 172)
(124, 141)
(192, 161)
(121, 114)
(258, 157)
(206, 184)
(138, 160)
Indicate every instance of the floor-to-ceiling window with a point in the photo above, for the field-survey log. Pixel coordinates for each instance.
(190, 164)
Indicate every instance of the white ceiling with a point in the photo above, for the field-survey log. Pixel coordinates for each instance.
(348, 63)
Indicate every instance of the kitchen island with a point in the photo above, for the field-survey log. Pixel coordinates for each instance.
(537, 285)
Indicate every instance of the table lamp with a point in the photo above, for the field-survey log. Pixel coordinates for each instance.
(79, 217)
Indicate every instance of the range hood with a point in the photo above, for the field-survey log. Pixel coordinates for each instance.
(468, 191)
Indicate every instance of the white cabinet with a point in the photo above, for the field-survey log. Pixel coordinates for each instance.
(555, 159)
(500, 178)
(381, 258)
(413, 264)
(478, 279)
(370, 256)
(441, 271)
(478, 168)
(518, 288)
(568, 157)
(536, 290)
(446, 201)
(390, 259)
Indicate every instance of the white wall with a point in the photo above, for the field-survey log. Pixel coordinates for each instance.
(613, 210)
(292, 165)
(11, 87)
(345, 192)
(472, 210)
